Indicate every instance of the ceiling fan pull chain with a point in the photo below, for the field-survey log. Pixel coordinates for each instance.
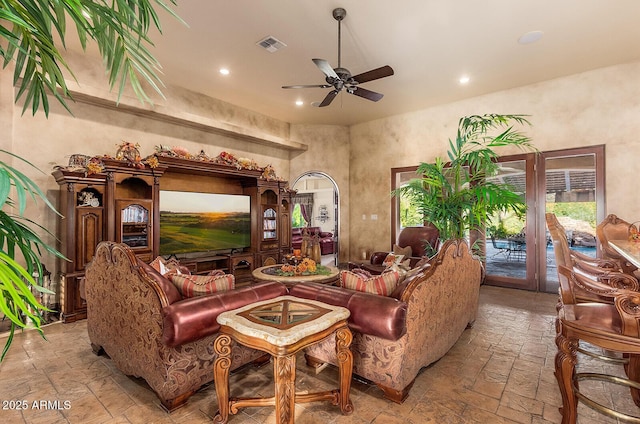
(339, 41)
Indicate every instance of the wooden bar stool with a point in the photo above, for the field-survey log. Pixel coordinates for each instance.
(611, 327)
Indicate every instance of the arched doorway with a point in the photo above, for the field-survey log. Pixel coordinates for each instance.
(316, 204)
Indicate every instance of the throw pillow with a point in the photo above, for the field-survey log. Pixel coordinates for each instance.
(422, 262)
(406, 251)
(392, 259)
(159, 265)
(362, 272)
(380, 284)
(402, 268)
(200, 285)
(167, 268)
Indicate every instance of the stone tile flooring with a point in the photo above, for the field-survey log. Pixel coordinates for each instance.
(500, 371)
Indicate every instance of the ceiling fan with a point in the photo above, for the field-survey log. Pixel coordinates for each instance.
(340, 78)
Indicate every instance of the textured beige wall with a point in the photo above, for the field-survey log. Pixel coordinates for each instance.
(97, 128)
(596, 107)
(328, 152)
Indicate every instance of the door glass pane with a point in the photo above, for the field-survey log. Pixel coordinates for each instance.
(408, 214)
(571, 196)
(506, 249)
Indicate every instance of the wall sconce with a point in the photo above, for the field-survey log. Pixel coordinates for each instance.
(323, 214)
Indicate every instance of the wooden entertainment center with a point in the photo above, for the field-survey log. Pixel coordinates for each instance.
(121, 204)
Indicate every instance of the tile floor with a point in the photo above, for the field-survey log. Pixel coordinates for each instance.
(500, 371)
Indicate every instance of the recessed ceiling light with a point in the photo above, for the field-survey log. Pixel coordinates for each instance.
(530, 37)
(224, 71)
(299, 102)
(464, 80)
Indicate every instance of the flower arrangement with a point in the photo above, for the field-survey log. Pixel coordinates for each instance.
(306, 266)
(94, 166)
(128, 151)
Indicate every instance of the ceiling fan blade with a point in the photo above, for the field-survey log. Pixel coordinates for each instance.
(326, 68)
(374, 74)
(308, 86)
(327, 100)
(366, 94)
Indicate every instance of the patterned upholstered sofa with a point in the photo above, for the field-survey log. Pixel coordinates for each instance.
(390, 347)
(141, 321)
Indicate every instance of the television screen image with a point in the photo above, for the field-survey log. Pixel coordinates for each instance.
(203, 222)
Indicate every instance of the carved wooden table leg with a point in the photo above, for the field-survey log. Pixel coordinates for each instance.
(299, 323)
(565, 369)
(284, 373)
(222, 346)
(633, 373)
(345, 365)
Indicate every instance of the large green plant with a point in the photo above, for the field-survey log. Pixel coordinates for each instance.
(455, 193)
(20, 252)
(30, 35)
(119, 28)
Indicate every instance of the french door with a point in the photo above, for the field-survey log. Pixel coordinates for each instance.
(569, 183)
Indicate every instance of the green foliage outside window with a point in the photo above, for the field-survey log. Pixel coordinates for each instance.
(297, 221)
(580, 211)
(410, 215)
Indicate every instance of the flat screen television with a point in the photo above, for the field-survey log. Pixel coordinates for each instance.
(193, 222)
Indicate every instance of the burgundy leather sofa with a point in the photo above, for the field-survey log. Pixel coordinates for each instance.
(415, 237)
(138, 318)
(394, 337)
(325, 238)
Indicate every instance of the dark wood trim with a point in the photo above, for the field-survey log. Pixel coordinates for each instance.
(395, 219)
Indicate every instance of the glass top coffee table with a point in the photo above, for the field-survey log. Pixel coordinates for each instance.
(282, 327)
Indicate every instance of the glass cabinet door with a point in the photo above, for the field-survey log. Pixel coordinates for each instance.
(269, 224)
(134, 225)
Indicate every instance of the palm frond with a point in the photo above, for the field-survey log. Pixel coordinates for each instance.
(19, 234)
(456, 196)
(120, 29)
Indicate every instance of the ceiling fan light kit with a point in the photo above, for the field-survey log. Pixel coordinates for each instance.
(340, 78)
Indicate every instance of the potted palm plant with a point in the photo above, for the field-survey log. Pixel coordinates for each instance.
(20, 251)
(32, 31)
(455, 194)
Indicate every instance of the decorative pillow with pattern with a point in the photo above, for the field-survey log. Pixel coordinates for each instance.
(402, 268)
(200, 285)
(167, 268)
(406, 251)
(380, 284)
(392, 259)
(159, 265)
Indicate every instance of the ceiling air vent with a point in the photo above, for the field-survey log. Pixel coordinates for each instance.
(271, 44)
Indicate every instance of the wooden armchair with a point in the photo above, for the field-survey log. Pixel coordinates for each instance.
(615, 328)
(614, 228)
(605, 271)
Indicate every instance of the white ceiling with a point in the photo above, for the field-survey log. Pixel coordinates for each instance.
(429, 44)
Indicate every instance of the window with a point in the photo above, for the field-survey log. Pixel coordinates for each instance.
(297, 221)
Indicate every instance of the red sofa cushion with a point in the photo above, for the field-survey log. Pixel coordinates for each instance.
(371, 314)
(194, 318)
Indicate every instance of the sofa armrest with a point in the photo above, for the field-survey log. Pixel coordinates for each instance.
(377, 258)
(371, 314)
(193, 318)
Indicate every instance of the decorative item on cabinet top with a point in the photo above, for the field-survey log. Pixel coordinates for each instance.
(128, 154)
